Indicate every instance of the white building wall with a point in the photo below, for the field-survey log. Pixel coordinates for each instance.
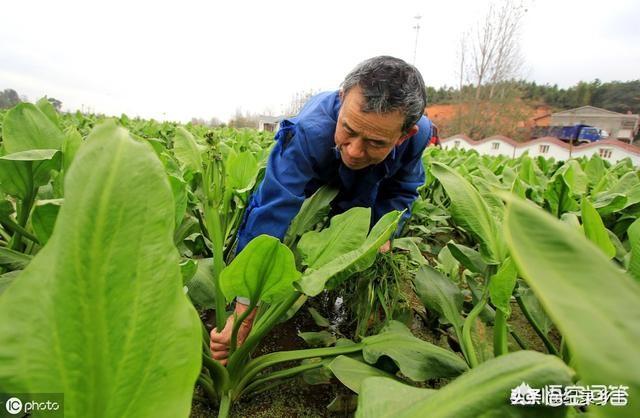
(489, 148)
(546, 149)
(610, 153)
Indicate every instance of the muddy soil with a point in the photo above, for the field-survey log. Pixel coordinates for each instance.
(295, 398)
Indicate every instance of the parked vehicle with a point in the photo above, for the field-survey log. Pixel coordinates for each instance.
(575, 133)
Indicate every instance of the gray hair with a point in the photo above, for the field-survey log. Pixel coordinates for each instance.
(389, 84)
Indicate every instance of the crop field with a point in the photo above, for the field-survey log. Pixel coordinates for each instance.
(512, 291)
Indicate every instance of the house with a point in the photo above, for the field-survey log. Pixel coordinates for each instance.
(619, 125)
(269, 123)
(610, 149)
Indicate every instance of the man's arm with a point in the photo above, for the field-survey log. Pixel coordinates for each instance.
(272, 207)
(278, 199)
(401, 190)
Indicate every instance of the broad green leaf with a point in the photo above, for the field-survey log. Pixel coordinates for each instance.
(417, 359)
(409, 244)
(449, 264)
(264, 270)
(70, 146)
(595, 169)
(188, 268)
(116, 333)
(532, 304)
(47, 108)
(318, 339)
(8, 278)
(313, 210)
(468, 257)
(382, 397)
(501, 286)
(180, 198)
(320, 320)
(561, 266)
(351, 372)
(481, 392)
(201, 287)
(27, 128)
(342, 267)
(31, 155)
(23, 172)
(241, 170)
(440, 294)
(594, 228)
(571, 219)
(43, 218)
(346, 232)
(575, 178)
(470, 211)
(634, 240)
(187, 150)
(14, 259)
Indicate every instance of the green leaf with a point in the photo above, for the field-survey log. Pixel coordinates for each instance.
(409, 244)
(318, 339)
(313, 210)
(594, 228)
(440, 294)
(532, 304)
(501, 286)
(187, 150)
(201, 287)
(634, 240)
(417, 359)
(47, 108)
(470, 211)
(180, 198)
(116, 333)
(70, 146)
(468, 257)
(14, 259)
(561, 266)
(8, 278)
(43, 218)
(342, 267)
(351, 372)
(31, 155)
(27, 128)
(264, 270)
(320, 320)
(483, 391)
(346, 232)
(241, 170)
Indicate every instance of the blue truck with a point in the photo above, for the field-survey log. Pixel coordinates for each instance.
(574, 133)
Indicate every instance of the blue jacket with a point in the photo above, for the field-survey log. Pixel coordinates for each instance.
(305, 158)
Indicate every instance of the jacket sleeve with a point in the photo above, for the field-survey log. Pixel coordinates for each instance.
(280, 195)
(399, 191)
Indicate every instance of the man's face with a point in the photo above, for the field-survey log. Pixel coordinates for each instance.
(363, 138)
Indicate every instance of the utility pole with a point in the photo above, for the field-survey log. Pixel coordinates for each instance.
(417, 28)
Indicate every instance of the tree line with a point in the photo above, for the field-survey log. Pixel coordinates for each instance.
(618, 96)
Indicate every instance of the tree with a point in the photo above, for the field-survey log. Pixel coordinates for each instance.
(9, 98)
(489, 63)
(57, 104)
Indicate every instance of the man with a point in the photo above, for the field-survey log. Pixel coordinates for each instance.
(367, 139)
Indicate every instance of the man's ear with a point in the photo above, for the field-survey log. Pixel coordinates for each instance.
(341, 94)
(414, 130)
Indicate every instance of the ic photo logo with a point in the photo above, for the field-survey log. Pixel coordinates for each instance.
(37, 403)
(13, 406)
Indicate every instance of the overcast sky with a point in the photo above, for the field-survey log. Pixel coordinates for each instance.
(178, 60)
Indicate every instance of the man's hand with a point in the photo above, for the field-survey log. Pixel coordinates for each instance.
(220, 341)
(386, 247)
